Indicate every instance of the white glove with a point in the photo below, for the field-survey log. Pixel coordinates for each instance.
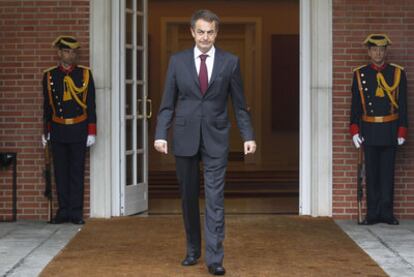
(45, 139)
(161, 146)
(357, 140)
(90, 140)
(401, 141)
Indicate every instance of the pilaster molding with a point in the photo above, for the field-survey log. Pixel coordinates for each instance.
(100, 62)
(316, 108)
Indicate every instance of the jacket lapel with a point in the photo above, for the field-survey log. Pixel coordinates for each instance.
(192, 67)
(218, 62)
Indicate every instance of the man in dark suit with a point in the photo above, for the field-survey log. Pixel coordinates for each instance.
(379, 122)
(70, 124)
(198, 85)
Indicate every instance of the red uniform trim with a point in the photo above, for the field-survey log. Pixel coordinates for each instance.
(92, 129)
(378, 68)
(402, 132)
(354, 129)
(66, 70)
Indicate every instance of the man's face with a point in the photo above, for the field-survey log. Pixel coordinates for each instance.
(67, 56)
(204, 34)
(377, 54)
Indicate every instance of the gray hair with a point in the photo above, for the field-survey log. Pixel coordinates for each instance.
(206, 15)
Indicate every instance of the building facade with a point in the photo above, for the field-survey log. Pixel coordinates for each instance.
(331, 34)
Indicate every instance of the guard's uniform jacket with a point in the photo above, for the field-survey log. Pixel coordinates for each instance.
(66, 118)
(69, 115)
(373, 115)
(379, 116)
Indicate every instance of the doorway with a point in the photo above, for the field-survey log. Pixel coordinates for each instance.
(312, 20)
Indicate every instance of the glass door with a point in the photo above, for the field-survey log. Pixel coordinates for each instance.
(135, 108)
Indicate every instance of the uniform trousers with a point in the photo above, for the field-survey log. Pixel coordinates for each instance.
(69, 167)
(379, 166)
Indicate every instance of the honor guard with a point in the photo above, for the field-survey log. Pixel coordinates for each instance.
(379, 122)
(70, 124)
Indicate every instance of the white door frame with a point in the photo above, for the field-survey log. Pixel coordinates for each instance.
(315, 108)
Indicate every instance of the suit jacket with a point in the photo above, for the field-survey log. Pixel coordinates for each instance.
(66, 109)
(378, 133)
(202, 115)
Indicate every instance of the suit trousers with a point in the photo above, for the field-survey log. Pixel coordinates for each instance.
(379, 166)
(69, 167)
(188, 174)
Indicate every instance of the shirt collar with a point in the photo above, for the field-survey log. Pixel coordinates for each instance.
(210, 52)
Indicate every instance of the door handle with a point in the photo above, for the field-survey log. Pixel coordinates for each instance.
(149, 113)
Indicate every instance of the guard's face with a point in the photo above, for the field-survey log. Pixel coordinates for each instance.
(67, 56)
(204, 34)
(377, 54)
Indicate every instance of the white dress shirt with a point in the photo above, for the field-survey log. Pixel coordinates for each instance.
(209, 60)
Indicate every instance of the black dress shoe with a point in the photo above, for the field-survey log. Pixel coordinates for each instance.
(216, 269)
(189, 260)
(78, 221)
(58, 220)
(391, 221)
(368, 222)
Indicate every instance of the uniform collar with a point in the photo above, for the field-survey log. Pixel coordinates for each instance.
(378, 68)
(66, 70)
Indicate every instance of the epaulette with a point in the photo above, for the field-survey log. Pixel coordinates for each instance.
(84, 67)
(396, 65)
(50, 69)
(359, 67)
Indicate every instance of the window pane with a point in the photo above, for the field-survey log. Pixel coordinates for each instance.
(140, 26)
(128, 28)
(128, 64)
(129, 4)
(128, 171)
(140, 65)
(139, 133)
(129, 134)
(140, 168)
(140, 5)
(128, 99)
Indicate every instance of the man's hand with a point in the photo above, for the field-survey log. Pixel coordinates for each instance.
(90, 140)
(357, 140)
(401, 141)
(45, 139)
(249, 147)
(161, 146)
